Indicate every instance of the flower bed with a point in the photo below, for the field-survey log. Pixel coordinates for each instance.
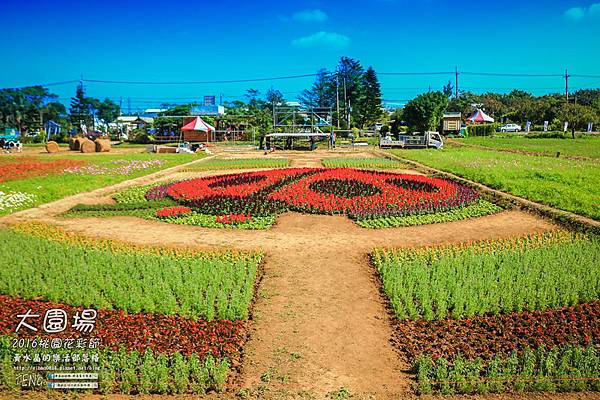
(120, 167)
(373, 199)
(12, 200)
(26, 167)
(160, 333)
(490, 335)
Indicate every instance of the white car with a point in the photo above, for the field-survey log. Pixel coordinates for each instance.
(510, 128)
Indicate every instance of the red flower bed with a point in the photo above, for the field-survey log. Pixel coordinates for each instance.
(162, 333)
(175, 211)
(361, 194)
(485, 336)
(347, 190)
(233, 218)
(25, 167)
(231, 185)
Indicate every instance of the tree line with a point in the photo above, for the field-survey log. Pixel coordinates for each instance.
(426, 110)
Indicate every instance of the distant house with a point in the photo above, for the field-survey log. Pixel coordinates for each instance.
(153, 112)
(451, 122)
(52, 128)
(133, 122)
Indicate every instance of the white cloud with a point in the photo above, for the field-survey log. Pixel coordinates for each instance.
(579, 13)
(322, 39)
(594, 9)
(575, 13)
(315, 15)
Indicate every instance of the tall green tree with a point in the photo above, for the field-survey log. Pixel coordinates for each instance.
(81, 110)
(368, 107)
(23, 107)
(349, 75)
(578, 116)
(425, 112)
(322, 93)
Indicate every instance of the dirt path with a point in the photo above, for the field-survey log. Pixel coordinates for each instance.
(319, 323)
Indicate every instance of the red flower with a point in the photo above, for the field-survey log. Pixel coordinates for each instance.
(175, 211)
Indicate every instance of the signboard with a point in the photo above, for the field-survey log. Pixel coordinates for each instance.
(210, 100)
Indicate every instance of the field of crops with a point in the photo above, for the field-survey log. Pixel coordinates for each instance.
(474, 313)
(588, 146)
(375, 163)
(571, 185)
(152, 303)
(253, 200)
(240, 163)
(30, 181)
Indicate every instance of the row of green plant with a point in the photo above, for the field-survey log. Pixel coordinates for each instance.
(478, 209)
(588, 146)
(565, 369)
(214, 286)
(240, 163)
(570, 185)
(379, 162)
(130, 372)
(493, 278)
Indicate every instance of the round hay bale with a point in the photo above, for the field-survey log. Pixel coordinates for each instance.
(52, 147)
(87, 146)
(102, 145)
(77, 143)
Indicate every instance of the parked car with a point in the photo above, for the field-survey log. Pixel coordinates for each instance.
(510, 128)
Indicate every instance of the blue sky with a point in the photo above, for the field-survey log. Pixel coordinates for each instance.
(50, 41)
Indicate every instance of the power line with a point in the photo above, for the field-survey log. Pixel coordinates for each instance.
(514, 75)
(200, 82)
(415, 73)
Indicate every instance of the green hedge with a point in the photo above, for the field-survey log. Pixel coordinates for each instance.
(482, 130)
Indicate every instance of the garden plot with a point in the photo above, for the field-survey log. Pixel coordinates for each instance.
(252, 200)
(516, 314)
(30, 181)
(151, 302)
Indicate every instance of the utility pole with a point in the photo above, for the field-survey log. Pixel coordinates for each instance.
(456, 81)
(567, 84)
(337, 99)
(346, 104)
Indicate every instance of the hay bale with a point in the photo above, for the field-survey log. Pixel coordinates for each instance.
(87, 146)
(102, 145)
(166, 149)
(71, 143)
(52, 147)
(77, 143)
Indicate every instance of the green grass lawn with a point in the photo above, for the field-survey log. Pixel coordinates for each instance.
(588, 146)
(53, 187)
(571, 185)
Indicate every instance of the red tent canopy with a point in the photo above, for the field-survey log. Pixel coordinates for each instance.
(479, 116)
(198, 125)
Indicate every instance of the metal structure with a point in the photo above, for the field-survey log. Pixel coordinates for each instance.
(293, 118)
(294, 122)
